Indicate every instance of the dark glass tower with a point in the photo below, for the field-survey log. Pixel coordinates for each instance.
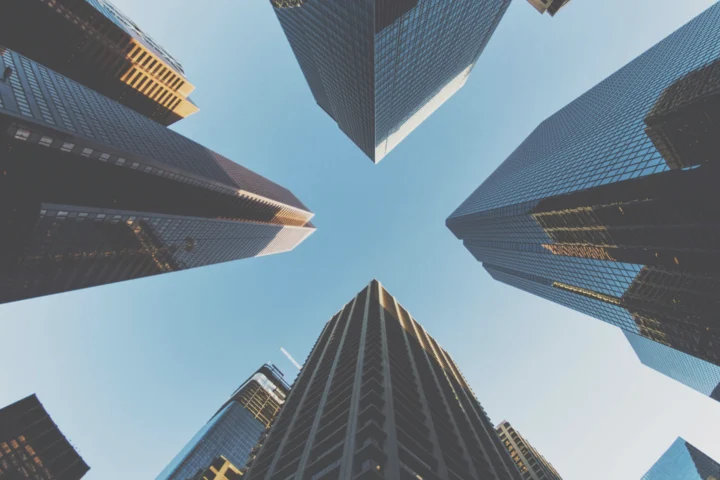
(93, 43)
(378, 398)
(32, 446)
(610, 206)
(682, 461)
(235, 429)
(697, 374)
(379, 68)
(531, 464)
(92, 192)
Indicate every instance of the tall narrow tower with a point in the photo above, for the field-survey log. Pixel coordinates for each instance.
(92, 192)
(380, 68)
(378, 398)
(230, 435)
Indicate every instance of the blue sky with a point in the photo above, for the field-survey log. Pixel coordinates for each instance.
(131, 371)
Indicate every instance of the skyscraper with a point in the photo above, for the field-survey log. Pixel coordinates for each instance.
(378, 398)
(608, 207)
(92, 192)
(531, 464)
(697, 374)
(682, 461)
(235, 429)
(32, 446)
(379, 68)
(549, 6)
(93, 43)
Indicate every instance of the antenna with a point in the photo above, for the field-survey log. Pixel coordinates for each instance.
(285, 352)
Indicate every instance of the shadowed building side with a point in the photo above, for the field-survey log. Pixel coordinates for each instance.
(32, 446)
(378, 398)
(94, 193)
(93, 43)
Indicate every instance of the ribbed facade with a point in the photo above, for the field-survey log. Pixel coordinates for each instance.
(701, 376)
(32, 446)
(233, 431)
(378, 398)
(94, 193)
(683, 461)
(96, 45)
(530, 462)
(379, 68)
(608, 206)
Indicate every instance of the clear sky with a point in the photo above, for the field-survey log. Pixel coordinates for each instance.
(131, 371)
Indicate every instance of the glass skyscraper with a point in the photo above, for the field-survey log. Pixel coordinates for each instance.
(235, 429)
(91, 192)
(682, 461)
(379, 68)
(32, 446)
(697, 374)
(610, 206)
(530, 462)
(93, 43)
(378, 398)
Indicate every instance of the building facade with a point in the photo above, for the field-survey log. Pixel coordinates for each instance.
(379, 68)
(93, 43)
(531, 464)
(32, 446)
(605, 207)
(236, 427)
(219, 469)
(682, 461)
(92, 192)
(697, 374)
(378, 398)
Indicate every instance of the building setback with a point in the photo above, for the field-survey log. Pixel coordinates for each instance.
(697, 374)
(234, 430)
(32, 446)
(682, 461)
(605, 207)
(92, 192)
(379, 68)
(378, 398)
(531, 464)
(93, 43)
